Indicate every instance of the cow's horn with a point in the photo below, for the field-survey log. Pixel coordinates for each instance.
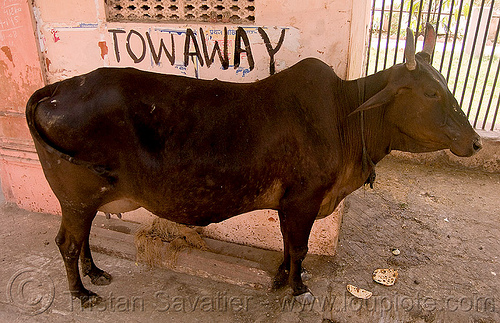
(410, 50)
(429, 40)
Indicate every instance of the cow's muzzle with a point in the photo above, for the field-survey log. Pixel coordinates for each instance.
(476, 146)
(467, 147)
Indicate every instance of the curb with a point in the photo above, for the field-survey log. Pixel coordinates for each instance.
(225, 262)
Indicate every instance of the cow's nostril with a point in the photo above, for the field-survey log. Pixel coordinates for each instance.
(477, 145)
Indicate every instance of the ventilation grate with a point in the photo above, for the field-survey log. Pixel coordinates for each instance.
(225, 11)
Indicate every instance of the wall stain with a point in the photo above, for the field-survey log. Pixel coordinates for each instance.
(47, 63)
(8, 53)
(56, 37)
(104, 48)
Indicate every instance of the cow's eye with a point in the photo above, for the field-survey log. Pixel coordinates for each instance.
(431, 94)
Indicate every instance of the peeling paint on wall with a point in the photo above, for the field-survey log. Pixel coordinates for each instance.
(20, 75)
(19, 60)
(104, 48)
(54, 34)
(8, 53)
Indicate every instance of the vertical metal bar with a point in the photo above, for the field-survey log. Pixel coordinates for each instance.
(418, 21)
(410, 13)
(447, 34)
(485, 38)
(437, 24)
(463, 46)
(370, 39)
(401, 9)
(439, 16)
(429, 8)
(471, 58)
(495, 80)
(454, 41)
(428, 19)
(388, 34)
(380, 34)
(496, 114)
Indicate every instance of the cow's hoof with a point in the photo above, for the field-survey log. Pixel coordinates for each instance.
(101, 278)
(90, 299)
(305, 298)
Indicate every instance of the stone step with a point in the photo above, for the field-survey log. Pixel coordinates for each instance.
(224, 262)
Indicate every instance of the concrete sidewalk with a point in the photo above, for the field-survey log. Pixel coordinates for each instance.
(36, 289)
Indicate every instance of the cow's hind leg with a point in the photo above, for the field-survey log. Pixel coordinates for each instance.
(97, 276)
(74, 231)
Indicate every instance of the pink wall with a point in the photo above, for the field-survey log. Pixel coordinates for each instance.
(20, 76)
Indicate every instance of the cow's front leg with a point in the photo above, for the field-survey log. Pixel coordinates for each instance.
(296, 222)
(298, 251)
(97, 276)
(74, 230)
(281, 278)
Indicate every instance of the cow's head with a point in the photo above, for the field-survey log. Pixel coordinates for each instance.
(424, 113)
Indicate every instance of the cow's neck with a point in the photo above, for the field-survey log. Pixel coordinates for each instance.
(369, 129)
(373, 127)
(372, 85)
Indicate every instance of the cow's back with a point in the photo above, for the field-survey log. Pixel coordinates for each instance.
(128, 108)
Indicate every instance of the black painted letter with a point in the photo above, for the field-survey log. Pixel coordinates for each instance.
(115, 41)
(157, 57)
(223, 56)
(190, 36)
(241, 34)
(129, 50)
(270, 50)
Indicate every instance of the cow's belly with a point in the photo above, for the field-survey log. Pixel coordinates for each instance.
(198, 207)
(203, 211)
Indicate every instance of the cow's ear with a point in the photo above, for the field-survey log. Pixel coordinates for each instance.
(383, 97)
(429, 43)
(429, 39)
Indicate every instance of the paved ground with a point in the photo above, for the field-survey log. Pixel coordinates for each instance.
(445, 222)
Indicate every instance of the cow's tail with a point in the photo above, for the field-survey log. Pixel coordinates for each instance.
(44, 94)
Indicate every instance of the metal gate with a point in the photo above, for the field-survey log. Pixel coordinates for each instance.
(465, 53)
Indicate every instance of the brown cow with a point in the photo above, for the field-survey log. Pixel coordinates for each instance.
(198, 151)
